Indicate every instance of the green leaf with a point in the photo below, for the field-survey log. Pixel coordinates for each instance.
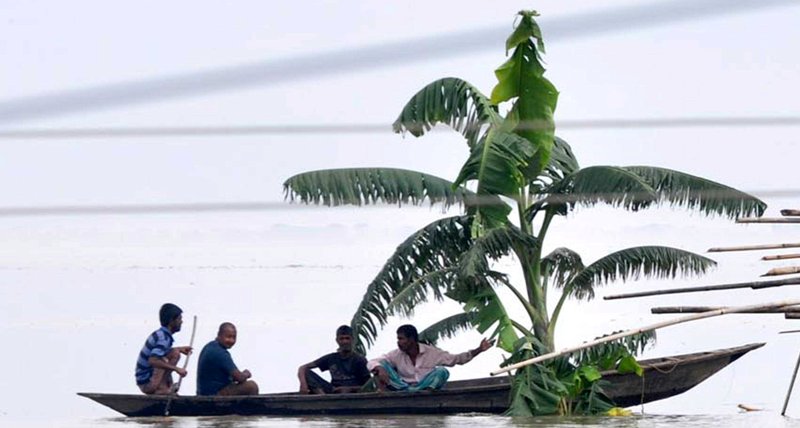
(632, 263)
(449, 101)
(527, 28)
(493, 245)
(592, 400)
(535, 108)
(628, 364)
(447, 327)
(435, 247)
(590, 373)
(535, 390)
(522, 77)
(497, 163)
(561, 265)
(506, 335)
(475, 280)
(359, 186)
(697, 193)
(608, 355)
(562, 163)
(600, 184)
(489, 311)
(417, 292)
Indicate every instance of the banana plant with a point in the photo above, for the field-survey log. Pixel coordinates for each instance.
(518, 177)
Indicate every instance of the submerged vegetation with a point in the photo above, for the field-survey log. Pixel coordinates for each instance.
(518, 177)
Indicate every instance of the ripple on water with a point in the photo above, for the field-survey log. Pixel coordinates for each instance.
(741, 420)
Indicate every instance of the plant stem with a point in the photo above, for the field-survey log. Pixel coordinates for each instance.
(530, 268)
(551, 327)
(528, 308)
(522, 329)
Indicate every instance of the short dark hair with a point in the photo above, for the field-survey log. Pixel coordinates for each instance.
(408, 331)
(225, 325)
(168, 312)
(344, 330)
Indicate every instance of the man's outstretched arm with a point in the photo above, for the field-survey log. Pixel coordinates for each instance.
(483, 346)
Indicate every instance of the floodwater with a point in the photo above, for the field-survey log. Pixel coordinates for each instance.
(743, 420)
(79, 296)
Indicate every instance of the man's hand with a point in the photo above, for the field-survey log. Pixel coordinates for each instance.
(181, 371)
(382, 375)
(304, 389)
(246, 374)
(485, 344)
(185, 350)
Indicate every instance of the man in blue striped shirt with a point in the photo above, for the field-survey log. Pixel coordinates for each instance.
(158, 359)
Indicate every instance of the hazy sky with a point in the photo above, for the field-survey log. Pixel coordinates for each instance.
(731, 65)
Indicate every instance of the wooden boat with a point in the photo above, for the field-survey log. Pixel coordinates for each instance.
(663, 377)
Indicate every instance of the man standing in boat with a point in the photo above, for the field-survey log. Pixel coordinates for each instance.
(216, 372)
(158, 359)
(416, 366)
(348, 369)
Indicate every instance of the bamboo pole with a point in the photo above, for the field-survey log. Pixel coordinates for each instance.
(756, 285)
(791, 386)
(791, 316)
(656, 326)
(786, 270)
(782, 257)
(753, 247)
(767, 220)
(698, 309)
(177, 386)
(790, 213)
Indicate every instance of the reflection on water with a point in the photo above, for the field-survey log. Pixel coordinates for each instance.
(743, 420)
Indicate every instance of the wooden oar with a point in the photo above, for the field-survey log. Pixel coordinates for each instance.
(790, 213)
(185, 364)
(709, 314)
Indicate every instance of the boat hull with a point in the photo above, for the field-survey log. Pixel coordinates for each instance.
(663, 377)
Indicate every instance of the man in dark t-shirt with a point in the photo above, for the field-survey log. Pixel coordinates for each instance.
(216, 372)
(348, 369)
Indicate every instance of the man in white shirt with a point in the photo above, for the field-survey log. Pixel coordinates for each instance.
(415, 366)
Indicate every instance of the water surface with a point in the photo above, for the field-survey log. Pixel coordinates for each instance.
(743, 420)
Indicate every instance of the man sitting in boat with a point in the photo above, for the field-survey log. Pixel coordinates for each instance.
(416, 366)
(348, 369)
(158, 359)
(216, 372)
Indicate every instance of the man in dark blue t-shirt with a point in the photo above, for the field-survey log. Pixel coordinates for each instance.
(216, 372)
(348, 369)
